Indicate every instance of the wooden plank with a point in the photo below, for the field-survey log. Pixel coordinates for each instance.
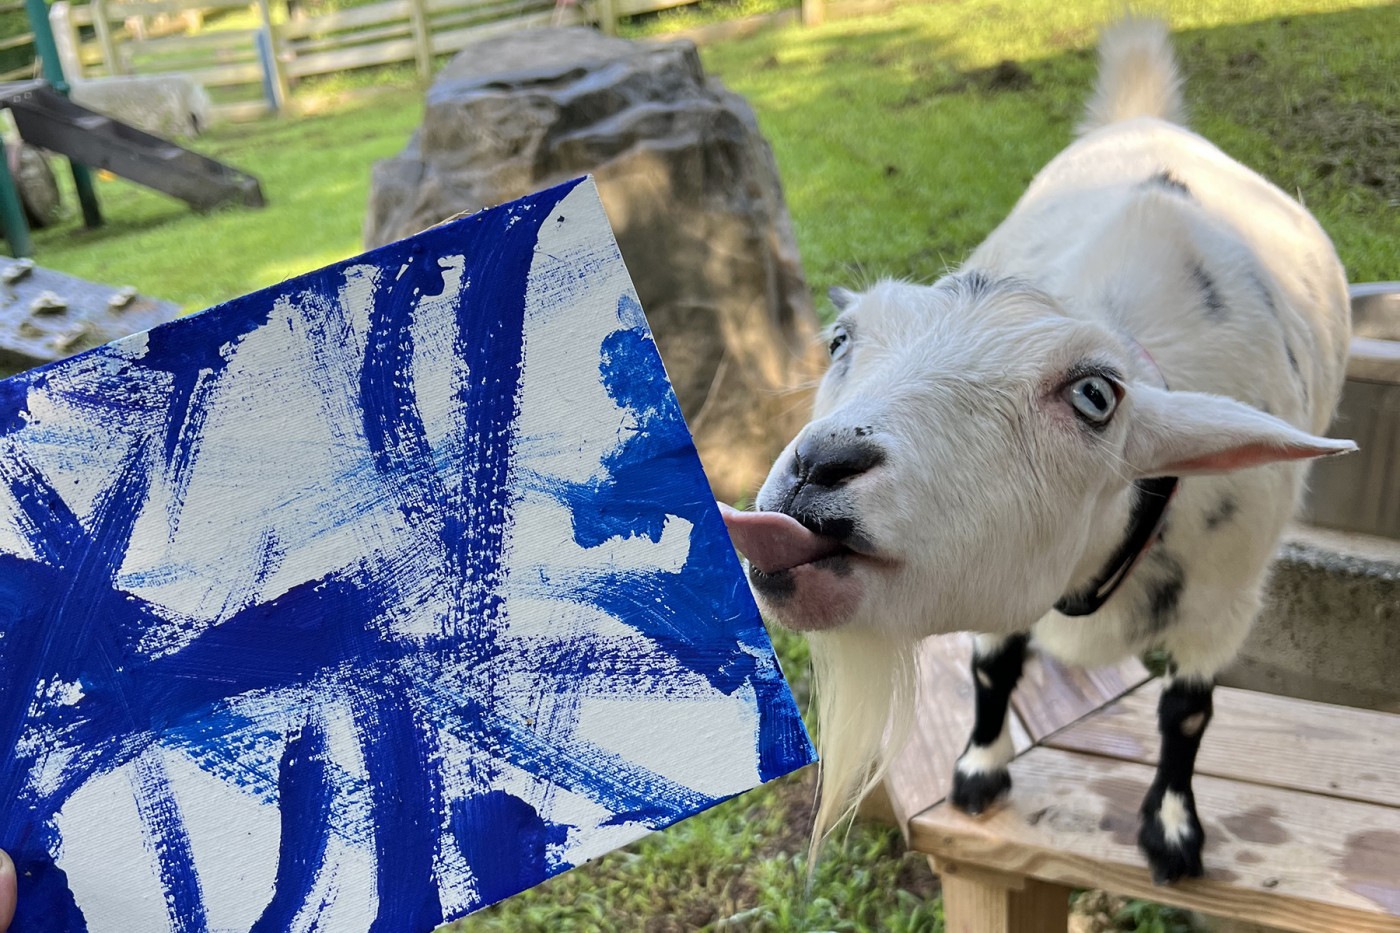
(487, 12)
(437, 7)
(452, 41)
(126, 8)
(357, 18)
(14, 42)
(102, 25)
(202, 44)
(922, 774)
(361, 56)
(346, 40)
(1296, 861)
(634, 7)
(975, 902)
(1338, 751)
(1050, 695)
(226, 75)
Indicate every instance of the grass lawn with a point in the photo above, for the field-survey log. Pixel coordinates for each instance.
(902, 140)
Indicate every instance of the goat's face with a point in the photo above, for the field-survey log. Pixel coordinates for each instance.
(970, 456)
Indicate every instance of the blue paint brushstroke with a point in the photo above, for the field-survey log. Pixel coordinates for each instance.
(305, 793)
(64, 618)
(481, 822)
(165, 829)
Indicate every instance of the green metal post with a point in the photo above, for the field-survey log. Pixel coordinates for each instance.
(12, 209)
(53, 73)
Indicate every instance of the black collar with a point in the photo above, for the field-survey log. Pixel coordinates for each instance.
(1149, 510)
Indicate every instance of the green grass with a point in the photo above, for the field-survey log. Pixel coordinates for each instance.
(901, 143)
(315, 173)
(901, 146)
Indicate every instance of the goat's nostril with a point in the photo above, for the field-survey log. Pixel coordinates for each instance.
(829, 463)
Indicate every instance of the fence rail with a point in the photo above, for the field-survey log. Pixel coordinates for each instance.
(248, 70)
(13, 41)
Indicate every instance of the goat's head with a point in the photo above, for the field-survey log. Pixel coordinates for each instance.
(970, 458)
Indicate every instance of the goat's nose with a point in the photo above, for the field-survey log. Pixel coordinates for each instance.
(831, 458)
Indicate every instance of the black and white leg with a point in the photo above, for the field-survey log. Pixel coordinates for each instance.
(981, 774)
(1171, 836)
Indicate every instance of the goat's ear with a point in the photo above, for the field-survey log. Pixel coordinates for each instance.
(1180, 433)
(842, 298)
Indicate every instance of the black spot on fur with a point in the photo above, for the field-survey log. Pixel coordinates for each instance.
(1266, 295)
(974, 793)
(1170, 182)
(1297, 371)
(1224, 510)
(976, 283)
(1210, 296)
(1164, 590)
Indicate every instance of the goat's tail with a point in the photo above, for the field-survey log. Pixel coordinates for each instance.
(1137, 75)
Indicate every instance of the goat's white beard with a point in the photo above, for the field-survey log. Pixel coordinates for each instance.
(864, 682)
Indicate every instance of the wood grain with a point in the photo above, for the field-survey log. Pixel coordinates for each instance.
(974, 904)
(1051, 695)
(1296, 861)
(1337, 751)
(922, 775)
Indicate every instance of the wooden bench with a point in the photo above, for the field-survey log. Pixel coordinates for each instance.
(1300, 802)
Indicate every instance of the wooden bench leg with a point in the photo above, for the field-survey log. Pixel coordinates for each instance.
(976, 900)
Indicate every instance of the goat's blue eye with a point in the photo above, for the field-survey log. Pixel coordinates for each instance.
(840, 342)
(1093, 398)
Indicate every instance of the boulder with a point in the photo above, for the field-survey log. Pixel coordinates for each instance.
(692, 191)
(34, 178)
(170, 105)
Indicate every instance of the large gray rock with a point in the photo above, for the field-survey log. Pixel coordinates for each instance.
(170, 105)
(38, 188)
(691, 189)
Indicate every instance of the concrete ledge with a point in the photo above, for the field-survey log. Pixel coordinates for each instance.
(1330, 629)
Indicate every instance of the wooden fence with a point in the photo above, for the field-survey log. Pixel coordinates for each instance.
(14, 11)
(249, 70)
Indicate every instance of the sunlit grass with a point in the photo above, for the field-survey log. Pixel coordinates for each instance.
(315, 174)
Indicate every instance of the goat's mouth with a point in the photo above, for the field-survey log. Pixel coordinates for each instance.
(805, 579)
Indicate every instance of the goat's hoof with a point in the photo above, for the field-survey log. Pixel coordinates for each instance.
(974, 793)
(1172, 845)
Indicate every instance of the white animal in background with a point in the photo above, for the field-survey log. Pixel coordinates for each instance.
(1005, 441)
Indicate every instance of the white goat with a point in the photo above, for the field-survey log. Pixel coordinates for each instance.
(1003, 441)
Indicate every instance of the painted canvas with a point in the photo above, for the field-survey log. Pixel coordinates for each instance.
(369, 599)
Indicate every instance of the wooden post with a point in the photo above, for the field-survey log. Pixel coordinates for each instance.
(422, 38)
(978, 900)
(607, 17)
(276, 73)
(103, 26)
(813, 12)
(66, 39)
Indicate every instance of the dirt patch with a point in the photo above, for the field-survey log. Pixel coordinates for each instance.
(1334, 132)
(1359, 140)
(1005, 75)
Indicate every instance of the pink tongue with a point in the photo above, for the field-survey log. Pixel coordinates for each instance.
(773, 541)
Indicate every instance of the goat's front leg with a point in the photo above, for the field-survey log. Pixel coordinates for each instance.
(981, 774)
(1171, 836)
